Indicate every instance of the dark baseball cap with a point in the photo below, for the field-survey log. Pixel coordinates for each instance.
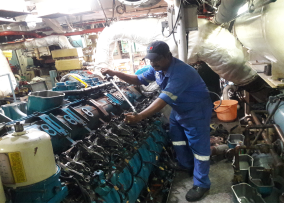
(157, 48)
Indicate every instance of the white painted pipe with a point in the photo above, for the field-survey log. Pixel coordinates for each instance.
(262, 31)
(58, 40)
(182, 44)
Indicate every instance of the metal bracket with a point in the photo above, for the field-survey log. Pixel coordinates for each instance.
(72, 113)
(99, 107)
(52, 123)
(113, 98)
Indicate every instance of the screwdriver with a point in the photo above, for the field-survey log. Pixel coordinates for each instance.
(110, 78)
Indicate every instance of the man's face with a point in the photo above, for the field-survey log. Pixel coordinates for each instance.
(160, 63)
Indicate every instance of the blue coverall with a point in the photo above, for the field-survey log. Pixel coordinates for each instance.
(185, 91)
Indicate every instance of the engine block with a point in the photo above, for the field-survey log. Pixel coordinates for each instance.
(100, 158)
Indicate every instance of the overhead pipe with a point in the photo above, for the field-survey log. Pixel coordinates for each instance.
(94, 30)
(182, 45)
(228, 11)
(58, 40)
(8, 33)
(212, 44)
(261, 32)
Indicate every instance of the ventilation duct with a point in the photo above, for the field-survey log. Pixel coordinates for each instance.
(222, 52)
(140, 3)
(58, 40)
(212, 44)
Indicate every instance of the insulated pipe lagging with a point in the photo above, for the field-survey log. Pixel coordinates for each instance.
(228, 11)
(58, 40)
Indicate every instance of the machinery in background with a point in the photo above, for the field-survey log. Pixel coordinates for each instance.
(98, 158)
(68, 59)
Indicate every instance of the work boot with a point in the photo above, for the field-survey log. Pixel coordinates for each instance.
(196, 193)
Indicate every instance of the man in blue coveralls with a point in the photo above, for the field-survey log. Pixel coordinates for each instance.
(185, 91)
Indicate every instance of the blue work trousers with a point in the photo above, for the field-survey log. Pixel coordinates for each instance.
(190, 135)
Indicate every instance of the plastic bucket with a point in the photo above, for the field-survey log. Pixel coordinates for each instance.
(227, 112)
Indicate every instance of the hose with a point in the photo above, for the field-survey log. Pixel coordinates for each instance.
(219, 100)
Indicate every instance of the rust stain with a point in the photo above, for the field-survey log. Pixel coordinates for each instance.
(35, 151)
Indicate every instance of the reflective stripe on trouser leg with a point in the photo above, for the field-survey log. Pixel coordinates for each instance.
(179, 140)
(200, 173)
(199, 142)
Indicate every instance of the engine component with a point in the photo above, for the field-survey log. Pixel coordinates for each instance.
(261, 179)
(109, 78)
(245, 193)
(42, 101)
(245, 161)
(99, 157)
(274, 107)
(234, 140)
(27, 164)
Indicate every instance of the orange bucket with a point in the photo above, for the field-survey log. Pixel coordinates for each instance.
(227, 112)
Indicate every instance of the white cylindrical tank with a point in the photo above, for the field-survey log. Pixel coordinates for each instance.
(26, 159)
(2, 194)
(262, 31)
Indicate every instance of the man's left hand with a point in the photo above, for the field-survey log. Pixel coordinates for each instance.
(131, 118)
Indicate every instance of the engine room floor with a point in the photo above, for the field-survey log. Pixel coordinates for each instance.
(221, 174)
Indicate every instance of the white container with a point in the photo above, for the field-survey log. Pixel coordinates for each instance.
(2, 194)
(26, 159)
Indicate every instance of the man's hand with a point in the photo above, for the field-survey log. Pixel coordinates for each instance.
(131, 118)
(105, 71)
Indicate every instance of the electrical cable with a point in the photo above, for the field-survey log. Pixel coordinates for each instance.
(219, 100)
(175, 26)
(172, 22)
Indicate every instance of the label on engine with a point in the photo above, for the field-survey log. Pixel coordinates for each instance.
(5, 170)
(17, 167)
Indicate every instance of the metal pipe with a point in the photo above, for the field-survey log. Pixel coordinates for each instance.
(266, 121)
(276, 160)
(182, 44)
(219, 149)
(8, 33)
(95, 30)
(227, 11)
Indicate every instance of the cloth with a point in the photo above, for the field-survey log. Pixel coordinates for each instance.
(181, 85)
(142, 70)
(192, 143)
(185, 91)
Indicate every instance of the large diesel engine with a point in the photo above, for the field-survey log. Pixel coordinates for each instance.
(73, 146)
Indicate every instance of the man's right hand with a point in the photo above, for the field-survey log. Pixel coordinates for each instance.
(105, 71)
